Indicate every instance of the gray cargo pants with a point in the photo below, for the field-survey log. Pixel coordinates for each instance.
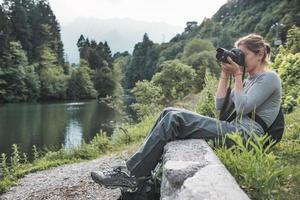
(173, 124)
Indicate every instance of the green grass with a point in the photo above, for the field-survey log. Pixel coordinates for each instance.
(267, 173)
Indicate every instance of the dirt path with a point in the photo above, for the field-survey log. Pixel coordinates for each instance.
(70, 181)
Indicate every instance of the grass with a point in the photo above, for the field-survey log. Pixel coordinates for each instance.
(266, 173)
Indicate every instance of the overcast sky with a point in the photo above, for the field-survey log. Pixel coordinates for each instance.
(174, 12)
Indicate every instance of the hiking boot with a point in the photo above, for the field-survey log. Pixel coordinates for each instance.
(116, 178)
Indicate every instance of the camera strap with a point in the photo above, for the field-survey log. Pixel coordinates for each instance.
(227, 112)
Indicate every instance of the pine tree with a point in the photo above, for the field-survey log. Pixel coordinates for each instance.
(4, 33)
(95, 59)
(21, 30)
(108, 55)
(41, 15)
(80, 85)
(12, 75)
(83, 47)
(142, 65)
(80, 42)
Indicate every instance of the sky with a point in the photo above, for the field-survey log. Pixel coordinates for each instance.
(173, 12)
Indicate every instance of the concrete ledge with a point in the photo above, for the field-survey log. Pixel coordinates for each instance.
(191, 171)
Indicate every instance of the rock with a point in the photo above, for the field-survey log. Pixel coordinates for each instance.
(191, 171)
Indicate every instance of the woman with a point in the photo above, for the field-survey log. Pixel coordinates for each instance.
(260, 93)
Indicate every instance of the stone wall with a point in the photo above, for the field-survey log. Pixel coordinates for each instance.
(191, 171)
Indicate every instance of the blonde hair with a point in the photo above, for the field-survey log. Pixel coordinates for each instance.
(256, 43)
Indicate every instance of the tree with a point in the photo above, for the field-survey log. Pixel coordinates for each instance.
(176, 79)
(81, 42)
(287, 63)
(225, 40)
(33, 84)
(52, 77)
(142, 65)
(196, 46)
(95, 59)
(12, 75)
(293, 40)
(108, 55)
(21, 30)
(148, 98)
(40, 16)
(84, 48)
(80, 85)
(200, 54)
(104, 82)
(4, 32)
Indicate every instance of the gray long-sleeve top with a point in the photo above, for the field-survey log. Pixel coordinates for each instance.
(262, 94)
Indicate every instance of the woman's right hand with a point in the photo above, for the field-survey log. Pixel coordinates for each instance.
(225, 73)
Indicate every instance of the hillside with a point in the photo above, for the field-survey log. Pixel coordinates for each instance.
(271, 18)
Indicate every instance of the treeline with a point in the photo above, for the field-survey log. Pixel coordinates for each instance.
(97, 61)
(32, 64)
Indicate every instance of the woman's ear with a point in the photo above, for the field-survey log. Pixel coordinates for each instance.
(260, 54)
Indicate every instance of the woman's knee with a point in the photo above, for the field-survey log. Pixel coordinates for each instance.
(172, 109)
(168, 109)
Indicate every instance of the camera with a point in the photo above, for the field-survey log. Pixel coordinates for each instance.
(235, 54)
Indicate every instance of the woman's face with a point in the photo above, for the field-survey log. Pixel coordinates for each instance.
(252, 60)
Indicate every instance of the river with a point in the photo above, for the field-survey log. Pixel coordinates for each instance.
(53, 125)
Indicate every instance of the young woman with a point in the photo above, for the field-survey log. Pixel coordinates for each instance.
(260, 93)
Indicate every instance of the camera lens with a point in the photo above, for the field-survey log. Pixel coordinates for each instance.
(235, 54)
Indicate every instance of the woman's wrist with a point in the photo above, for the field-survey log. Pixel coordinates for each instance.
(224, 75)
(238, 73)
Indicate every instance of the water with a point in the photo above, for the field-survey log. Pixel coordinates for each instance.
(51, 125)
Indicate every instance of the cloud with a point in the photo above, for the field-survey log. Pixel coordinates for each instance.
(175, 12)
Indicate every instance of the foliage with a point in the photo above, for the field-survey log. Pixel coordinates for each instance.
(257, 170)
(80, 85)
(287, 64)
(293, 40)
(170, 51)
(196, 46)
(206, 105)
(121, 60)
(52, 77)
(33, 84)
(97, 55)
(142, 65)
(12, 76)
(104, 82)
(148, 98)
(176, 80)
(31, 49)
(237, 17)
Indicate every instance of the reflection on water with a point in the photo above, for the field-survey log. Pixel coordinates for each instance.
(53, 124)
(73, 136)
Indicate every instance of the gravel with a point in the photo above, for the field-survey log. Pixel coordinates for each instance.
(70, 181)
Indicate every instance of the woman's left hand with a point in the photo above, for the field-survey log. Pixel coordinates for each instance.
(231, 67)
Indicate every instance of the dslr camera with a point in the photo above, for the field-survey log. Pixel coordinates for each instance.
(235, 54)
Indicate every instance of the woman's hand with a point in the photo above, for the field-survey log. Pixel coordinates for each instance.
(231, 67)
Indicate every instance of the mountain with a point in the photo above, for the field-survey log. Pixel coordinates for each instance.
(269, 18)
(121, 34)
